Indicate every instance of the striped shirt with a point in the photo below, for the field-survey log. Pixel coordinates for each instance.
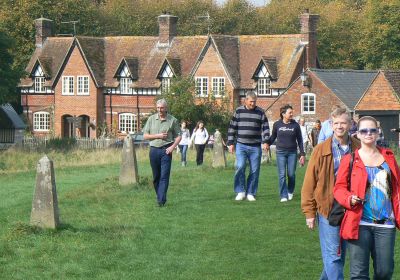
(248, 127)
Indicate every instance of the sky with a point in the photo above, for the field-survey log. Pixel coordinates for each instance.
(256, 3)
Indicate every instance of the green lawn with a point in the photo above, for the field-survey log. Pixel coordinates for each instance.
(113, 232)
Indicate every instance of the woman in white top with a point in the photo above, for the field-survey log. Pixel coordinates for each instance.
(183, 145)
(200, 138)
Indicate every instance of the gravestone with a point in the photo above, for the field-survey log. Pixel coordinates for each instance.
(219, 159)
(45, 212)
(129, 169)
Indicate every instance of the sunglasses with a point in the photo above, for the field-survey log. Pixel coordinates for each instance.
(368, 131)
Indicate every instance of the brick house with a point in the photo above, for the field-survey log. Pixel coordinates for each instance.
(76, 84)
(375, 93)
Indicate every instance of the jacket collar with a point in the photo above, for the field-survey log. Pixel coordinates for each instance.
(327, 145)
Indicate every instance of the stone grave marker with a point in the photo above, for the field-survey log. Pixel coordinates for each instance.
(219, 159)
(129, 169)
(45, 213)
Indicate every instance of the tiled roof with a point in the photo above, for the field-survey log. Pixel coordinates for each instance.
(9, 112)
(394, 79)
(348, 85)
(240, 56)
(51, 57)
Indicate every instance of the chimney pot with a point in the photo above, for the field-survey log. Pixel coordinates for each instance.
(44, 29)
(167, 29)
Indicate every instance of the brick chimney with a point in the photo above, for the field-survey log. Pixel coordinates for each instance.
(44, 29)
(166, 29)
(309, 23)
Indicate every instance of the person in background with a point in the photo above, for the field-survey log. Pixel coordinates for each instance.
(199, 138)
(304, 134)
(372, 204)
(313, 136)
(353, 128)
(248, 128)
(162, 129)
(317, 192)
(183, 145)
(287, 134)
(381, 137)
(326, 127)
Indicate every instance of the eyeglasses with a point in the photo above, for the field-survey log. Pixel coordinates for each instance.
(368, 131)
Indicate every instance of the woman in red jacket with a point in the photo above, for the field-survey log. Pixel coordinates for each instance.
(372, 203)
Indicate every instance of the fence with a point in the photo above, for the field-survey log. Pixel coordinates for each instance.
(36, 143)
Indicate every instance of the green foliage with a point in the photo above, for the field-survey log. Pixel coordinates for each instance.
(183, 104)
(8, 75)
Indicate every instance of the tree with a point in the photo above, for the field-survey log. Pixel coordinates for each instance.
(184, 105)
(8, 76)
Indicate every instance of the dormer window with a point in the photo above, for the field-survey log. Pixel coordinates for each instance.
(166, 77)
(263, 82)
(125, 81)
(39, 80)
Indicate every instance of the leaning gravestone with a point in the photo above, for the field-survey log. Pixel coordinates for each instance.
(219, 159)
(45, 212)
(129, 170)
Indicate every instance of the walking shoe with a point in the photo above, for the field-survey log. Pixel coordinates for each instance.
(251, 197)
(290, 196)
(240, 196)
(284, 199)
(183, 163)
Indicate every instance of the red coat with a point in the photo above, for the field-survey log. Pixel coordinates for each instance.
(359, 177)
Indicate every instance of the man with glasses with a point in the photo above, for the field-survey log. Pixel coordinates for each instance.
(317, 191)
(164, 133)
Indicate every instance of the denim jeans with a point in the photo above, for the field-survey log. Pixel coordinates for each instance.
(199, 153)
(161, 166)
(377, 242)
(329, 239)
(253, 154)
(286, 160)
(183, 149)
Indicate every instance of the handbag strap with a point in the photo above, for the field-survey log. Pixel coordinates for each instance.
(350, 169)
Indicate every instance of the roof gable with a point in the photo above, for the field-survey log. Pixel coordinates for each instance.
(173, 64)
(393, 78)
(269, 64)
(7, 111)
(347, 85)
(92, 50)
(132, 64)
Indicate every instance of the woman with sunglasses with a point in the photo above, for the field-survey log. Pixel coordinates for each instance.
(373, 204)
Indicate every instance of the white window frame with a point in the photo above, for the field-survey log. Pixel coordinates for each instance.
(201, 86)
(124, 86)
(39, 84)
(165, 85)
(83, 85)
(218, 86)
(41, 121)
(67, 85)
(308, 95)
(125, 120)
(264, 87)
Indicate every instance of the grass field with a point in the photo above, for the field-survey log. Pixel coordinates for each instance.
(113, 232)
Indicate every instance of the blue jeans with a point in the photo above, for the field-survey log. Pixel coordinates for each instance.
(253, 154)
(378, 243)
(286, 160)
(183, 149)
(329, 239)
(161, 166)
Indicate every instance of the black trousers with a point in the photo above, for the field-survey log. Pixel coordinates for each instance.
(199, 153)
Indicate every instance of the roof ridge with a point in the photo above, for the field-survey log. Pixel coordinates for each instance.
(343, 70)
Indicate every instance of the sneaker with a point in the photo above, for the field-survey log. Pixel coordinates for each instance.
(183, 163)
(240, 196)
(290, 196)
(251, 197)
(284, 199)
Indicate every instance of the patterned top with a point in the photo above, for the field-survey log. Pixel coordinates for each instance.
(249, 127)
(378, 210)
(338, 152)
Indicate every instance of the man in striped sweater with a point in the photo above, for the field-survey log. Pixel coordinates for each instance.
(248, 129)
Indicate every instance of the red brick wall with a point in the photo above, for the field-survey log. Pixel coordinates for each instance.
(380, 96)
(77, 105)
(211, 66)
(324, 100)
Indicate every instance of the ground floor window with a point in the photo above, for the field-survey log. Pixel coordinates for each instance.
(127, 122)
(41, 121)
